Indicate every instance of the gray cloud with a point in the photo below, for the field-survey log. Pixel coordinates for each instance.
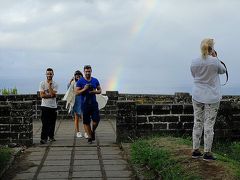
(146, 46)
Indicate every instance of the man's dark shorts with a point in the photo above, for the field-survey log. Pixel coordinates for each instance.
(90, 112)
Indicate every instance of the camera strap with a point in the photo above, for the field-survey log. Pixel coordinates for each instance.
(226, 72)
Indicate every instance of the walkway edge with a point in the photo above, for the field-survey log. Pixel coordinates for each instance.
(125, 147)
(16, 152)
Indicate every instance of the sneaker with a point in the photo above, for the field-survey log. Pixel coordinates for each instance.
(93, 135)
(86, 135)
(42, 141)
(196, 154)
(89, 140)
(52, 139)
(208, 157)
(79, 135)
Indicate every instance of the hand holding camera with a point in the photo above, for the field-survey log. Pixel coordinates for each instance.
(89, 87)
(214, 53)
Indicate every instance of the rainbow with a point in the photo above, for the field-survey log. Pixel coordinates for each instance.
(113, 83)
(141, 21)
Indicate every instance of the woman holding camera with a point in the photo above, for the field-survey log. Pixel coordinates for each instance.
(206, 97)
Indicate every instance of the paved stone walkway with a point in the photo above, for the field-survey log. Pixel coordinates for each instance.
(73, 158)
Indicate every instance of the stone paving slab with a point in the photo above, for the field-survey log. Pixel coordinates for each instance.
(34, 158)
(60, 153)
(36, 163)
(56, 175)
(87, 167)
(56, 162)
(55, 168)
(124, 174)
(112, 156)
(87, 174)
(115, 162)
(59, 157)
(70, 157)
(78, 178)
(86, 157)
(118, 167)
(53, 178)
(90, 152)
(86, 162)
(24, 176)
(119, 178)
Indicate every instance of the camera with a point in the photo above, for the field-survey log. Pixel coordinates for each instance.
(90, 87)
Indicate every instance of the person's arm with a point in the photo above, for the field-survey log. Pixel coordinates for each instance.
(68, 85)
(52, 93)
(221, 68)
(46, 96)
(42, 91)
(79, 90)
(96, 91)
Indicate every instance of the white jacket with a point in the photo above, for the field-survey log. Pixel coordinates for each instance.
(70, 97)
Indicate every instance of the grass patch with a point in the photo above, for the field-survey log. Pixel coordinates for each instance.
(5, 155)
(156, 162)
(170, 158)
(230, 150)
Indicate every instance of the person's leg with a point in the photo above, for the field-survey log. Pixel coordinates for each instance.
(76, 122)
(210, 118)
(86, 122)
(88, 130)
(198, 124)
(84, 127)
(52, 123)
(44, 133)
(95, 121)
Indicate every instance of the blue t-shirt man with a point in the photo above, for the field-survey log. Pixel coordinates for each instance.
(88, 87)
(88, 99)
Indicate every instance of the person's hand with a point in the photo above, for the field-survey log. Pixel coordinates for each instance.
(86, 86)
(92, 92)
(214, 53)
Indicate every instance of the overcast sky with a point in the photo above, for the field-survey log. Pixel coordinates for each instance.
(134, 46)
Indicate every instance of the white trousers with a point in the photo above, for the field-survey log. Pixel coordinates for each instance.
(204, 118)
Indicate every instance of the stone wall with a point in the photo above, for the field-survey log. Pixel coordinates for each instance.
(36, 100)
(16, 122)
(137, 120)
(17, 113)
(136, 115)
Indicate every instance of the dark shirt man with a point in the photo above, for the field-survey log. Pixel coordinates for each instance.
(88, 87)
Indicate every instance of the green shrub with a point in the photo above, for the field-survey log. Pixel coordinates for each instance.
(8, 91)
(5, 155)
(235, 151)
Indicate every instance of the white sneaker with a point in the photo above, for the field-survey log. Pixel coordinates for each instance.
(86, 135)
(79, 135)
